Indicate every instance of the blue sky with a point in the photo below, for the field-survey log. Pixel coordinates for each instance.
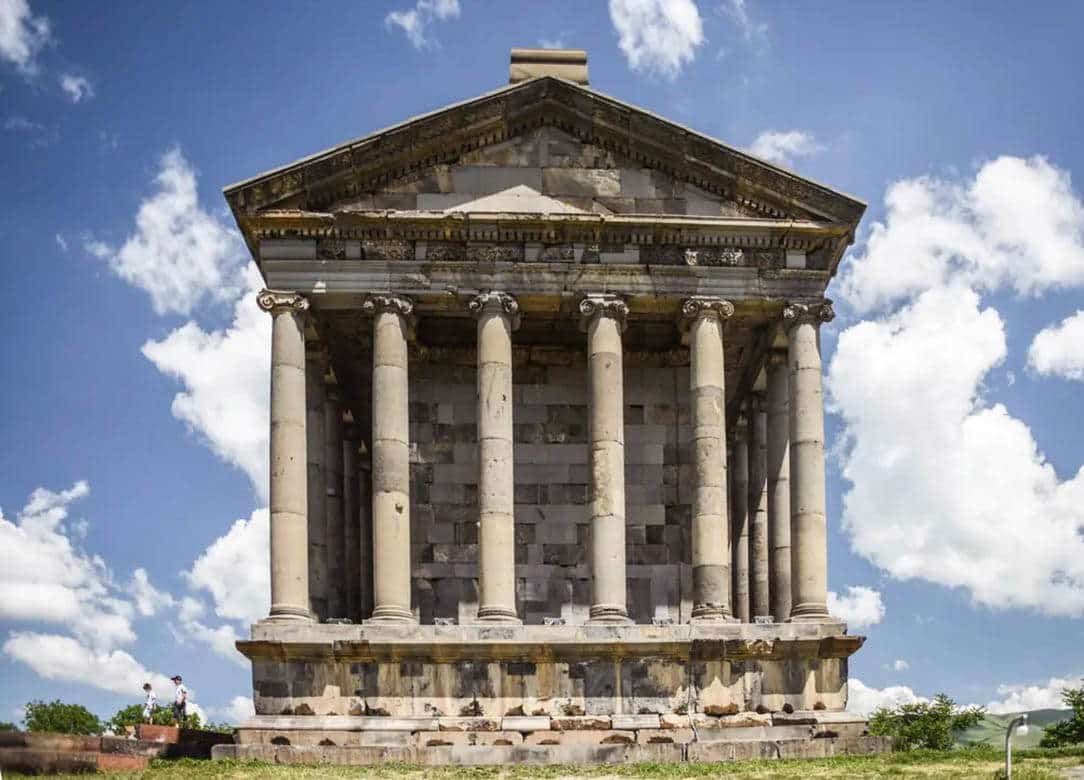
(954, 368)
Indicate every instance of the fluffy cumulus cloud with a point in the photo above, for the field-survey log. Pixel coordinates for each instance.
(46, 578)
(982, 509)
(1021, 698)
(77, 88)
(899, 665)
(1059, 349)
(863, 699)
(22, 35)
(237, 711)
(860, 607)
(64, 658)
(415, 22)
(234, 570)
(657, 37)
(1017, 223)
(179, 253)
(225, 375)
(784, 147)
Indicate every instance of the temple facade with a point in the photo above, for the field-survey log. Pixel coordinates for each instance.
(547, 440)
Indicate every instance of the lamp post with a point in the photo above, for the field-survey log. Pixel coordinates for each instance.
(1019, 724)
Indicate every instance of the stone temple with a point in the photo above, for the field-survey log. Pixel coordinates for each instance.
(547, 441)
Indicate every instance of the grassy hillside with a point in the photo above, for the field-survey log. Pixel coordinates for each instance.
(991, 731)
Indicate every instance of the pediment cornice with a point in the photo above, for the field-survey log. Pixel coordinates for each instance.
(315, 183)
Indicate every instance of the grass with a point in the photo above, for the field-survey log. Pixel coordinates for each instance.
(991, 731)
(972, 762)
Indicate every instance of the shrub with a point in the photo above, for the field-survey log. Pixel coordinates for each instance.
(933, 725)
(160, 716)
(5, 726)
(58, 717)
(1071, 731)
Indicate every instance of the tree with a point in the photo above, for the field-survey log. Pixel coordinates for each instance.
(6, 726)
(58, 717)
(160, 716)
(932, 725)
(1071, 731)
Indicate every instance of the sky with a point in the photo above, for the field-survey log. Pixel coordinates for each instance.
(133, 462)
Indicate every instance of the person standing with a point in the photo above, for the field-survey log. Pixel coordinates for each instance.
(149, 703)
(180, 700)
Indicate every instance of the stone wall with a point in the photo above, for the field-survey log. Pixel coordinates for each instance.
(553, 576)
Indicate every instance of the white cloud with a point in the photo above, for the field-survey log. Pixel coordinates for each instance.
(863, 700)
(945, 486)
(60, 242)
(415, 21)
(234, 569)
(226, 379)
(22, 35)
(657, 36)
(783, 147)
(1058, 350)
(738, 12)
(77, 88)
(900, 665)
(179, 254)
(861, 607)
(63, 658)
(46, 579)
(237, 711)
(97, 248)
(1022, 698)
(1016, 224)
(551, 43)
(148, 599)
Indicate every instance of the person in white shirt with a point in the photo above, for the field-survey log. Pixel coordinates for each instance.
(149, 703)
(180, 701)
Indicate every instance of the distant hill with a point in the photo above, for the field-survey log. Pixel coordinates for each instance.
(991, 731)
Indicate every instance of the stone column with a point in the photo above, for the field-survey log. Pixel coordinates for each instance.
(779, 484)
(289, 489)
(498, 315)
(603, 318)
(391, 458)
(315, 368)
(707, 386)
(809, 533)
(739, 534)
(759, 599)
(351, 525)
(336, 531)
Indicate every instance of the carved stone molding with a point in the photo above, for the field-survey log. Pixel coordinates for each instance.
(795, 314)
(498, 302)
(603, 305)
(279, 301)
(375, 304)
(706, 306)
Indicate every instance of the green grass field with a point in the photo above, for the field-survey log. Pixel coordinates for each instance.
(964, 763)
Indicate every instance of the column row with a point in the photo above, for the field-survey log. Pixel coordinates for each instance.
(742, 560)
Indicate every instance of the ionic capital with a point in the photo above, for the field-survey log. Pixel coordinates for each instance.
(604, 305)
(397, 304)
(706, 306)
(795, 314)
(496, 303)
(278, 301)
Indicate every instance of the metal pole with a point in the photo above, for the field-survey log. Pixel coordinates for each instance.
(1021, 722)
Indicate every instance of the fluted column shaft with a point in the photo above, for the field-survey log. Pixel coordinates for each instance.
(603, 317)
(759, 598)
(333, 506)
(809, 533)
(288, 481)
(497, 315)
(351, 524)
(707, 387)
(739, 535)
(315, 368)
(391, 459)
(779, 485)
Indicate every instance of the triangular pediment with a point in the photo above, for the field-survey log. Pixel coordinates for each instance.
(536, 144)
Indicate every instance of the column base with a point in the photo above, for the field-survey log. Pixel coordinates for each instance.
(288, 612)
(809, 613)
(498, 615)
(390, 614)
(609, 614)
(711, 617)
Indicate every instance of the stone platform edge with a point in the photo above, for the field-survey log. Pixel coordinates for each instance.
(287, 641)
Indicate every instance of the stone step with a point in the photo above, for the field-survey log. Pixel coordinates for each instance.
(753, 733)
(36, 761)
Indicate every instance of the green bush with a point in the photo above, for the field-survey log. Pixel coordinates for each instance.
(5, 726)
(931, 725)
(58, 717)
(1071, 731)
(160, 716)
